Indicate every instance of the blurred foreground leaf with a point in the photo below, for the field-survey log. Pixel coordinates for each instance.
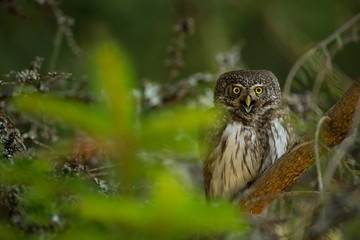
(92, 119)
(112, 70)
(171, 212)
(175, 129)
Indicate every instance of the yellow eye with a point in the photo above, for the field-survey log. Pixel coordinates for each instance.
(236, 90)
(258, 90)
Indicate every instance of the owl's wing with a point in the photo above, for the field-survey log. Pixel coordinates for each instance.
(209, 138)
(289, 127)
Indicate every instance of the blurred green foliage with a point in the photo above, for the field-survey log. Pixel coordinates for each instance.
(171, 212)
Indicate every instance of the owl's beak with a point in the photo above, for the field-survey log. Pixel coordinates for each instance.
(248, 103)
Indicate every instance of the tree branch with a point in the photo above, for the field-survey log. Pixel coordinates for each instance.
(338, 124)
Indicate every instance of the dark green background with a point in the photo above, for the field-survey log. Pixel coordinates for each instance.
(273, 33)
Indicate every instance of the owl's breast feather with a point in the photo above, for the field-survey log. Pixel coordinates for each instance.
(242, 154)
(235, 161)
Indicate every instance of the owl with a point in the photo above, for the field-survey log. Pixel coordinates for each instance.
(249, 133)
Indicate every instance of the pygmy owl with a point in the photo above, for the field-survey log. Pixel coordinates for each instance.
(249, 134)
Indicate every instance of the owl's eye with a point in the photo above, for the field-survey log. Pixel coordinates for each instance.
(236, 90)
(258, 90)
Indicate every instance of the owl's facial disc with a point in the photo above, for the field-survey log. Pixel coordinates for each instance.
(247, 94)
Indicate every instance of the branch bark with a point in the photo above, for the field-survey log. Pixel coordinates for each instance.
(341, 119)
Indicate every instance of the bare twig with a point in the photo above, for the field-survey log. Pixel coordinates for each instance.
(320, 77)
(96, 175)
(346, 39)
(104, 168)
(316, 149)
(321, 45)
(57, 45)
(31, 75)
(175, 62)
(343, 148)
(155, 96)
(12, 7)
(352, 172)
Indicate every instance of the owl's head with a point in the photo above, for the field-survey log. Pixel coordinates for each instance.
(247, 93)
